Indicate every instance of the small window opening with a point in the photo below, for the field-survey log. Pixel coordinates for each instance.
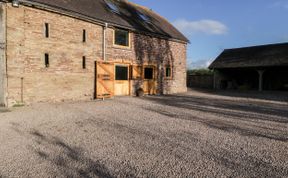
(84, 36)
(148, 73)
(168, 71)
(121, 37)
(46, 60)
(46, 30)
(121, 73)
(84, 62)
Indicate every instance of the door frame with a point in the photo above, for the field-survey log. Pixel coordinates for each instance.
(125, 64)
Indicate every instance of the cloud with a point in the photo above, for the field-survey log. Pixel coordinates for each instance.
(211, 27)
(200, 64)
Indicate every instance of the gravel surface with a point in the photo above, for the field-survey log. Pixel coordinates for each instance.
(191, 135)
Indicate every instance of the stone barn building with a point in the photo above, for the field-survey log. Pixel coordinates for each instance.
(252, 68)
(55, 50)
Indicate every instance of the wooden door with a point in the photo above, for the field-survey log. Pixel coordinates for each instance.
(150, 82)
(140, 75)
(104, 80)
(122, 82)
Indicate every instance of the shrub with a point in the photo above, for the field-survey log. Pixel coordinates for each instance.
(200, 72)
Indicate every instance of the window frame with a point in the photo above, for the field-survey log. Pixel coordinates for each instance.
(153, 74)
(47, 30)
(84, 36)
(84, 62)
(124, 66)
(171, 72)
(112, 7)
(122, 46)
(46, 60)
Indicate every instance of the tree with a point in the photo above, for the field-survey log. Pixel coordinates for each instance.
(200, 72)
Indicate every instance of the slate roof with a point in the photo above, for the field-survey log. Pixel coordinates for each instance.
(255, 56)
(128, 17)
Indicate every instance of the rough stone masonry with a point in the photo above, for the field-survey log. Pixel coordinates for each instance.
(24, 48)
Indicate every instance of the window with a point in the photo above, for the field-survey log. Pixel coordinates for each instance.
(148, 73)
(112, 6)
(84, 62)
(121, 73)
(121, 37)
(46, 60)
(143, 17)
(168, 72)
(46, 30)
(84, 36)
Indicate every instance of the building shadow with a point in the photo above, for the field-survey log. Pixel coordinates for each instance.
(228, 116)
(242, 164)
(278, 96)
(68, 158)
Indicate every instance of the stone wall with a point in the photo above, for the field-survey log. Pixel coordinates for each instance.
(28, 78)
(2, 54)
(200, 81)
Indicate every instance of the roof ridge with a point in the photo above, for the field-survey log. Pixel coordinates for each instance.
(256, 46)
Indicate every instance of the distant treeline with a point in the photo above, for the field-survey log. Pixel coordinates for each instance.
(200, 72)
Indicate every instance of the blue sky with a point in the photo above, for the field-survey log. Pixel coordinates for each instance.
(214, 25)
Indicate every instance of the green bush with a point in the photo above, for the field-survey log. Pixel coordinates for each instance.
(200, 72)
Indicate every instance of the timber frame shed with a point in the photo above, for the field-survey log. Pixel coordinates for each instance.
(260, 68)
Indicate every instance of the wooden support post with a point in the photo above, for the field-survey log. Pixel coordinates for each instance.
(260, 72)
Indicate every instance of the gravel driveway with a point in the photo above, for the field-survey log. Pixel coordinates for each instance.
(191, 135)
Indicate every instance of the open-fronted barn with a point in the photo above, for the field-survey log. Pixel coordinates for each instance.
(252, 68)
(73, 50)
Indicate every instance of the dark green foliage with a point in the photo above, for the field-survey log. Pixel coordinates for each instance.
(200, 72)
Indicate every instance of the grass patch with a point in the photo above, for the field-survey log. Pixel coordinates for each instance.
(18, 104)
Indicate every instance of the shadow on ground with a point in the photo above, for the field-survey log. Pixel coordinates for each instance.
(281, 96)
(248, 119)
(169, 142)
(71, 161)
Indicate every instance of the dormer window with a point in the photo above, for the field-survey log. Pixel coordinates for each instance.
(113, 7)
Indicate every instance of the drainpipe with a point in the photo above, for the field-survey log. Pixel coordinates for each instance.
(104, 44)
(104, 41)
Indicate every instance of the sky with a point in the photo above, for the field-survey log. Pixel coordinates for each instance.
(215, 25)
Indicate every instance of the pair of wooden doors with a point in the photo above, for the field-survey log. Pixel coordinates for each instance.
(112, 79)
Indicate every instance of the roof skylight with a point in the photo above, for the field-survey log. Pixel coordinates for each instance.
(112, 6)
(143, 17)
